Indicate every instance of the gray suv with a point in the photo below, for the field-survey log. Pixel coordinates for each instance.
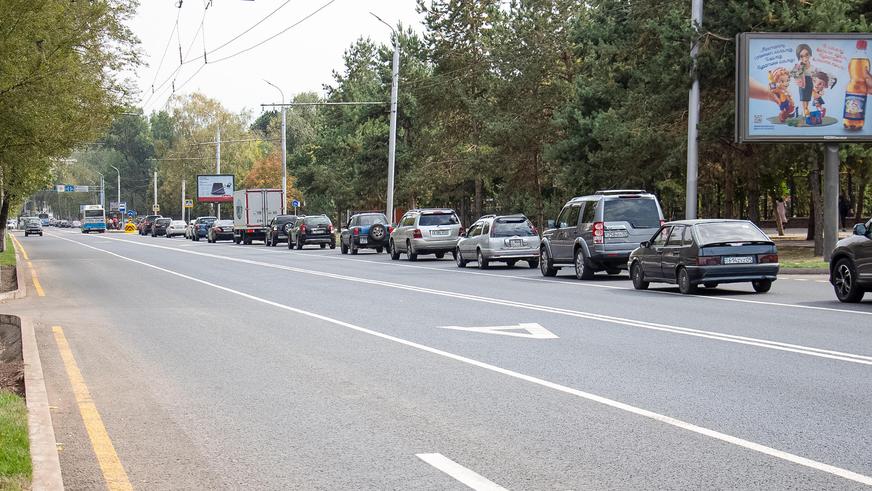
(851, 264)
(509, 238)
(598, 232)
(425, 231)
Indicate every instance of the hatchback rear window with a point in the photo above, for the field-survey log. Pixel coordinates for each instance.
(719, 232)
(318, 221)
(371, 219)
(223, 223)
(163, 221)
(509, 227)
(638, 212)
(430, 220)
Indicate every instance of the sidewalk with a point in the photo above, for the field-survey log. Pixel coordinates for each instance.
(795, 237)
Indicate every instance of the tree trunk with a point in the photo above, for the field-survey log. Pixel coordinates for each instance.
(729, 191)
(540, 208)
(754, 201)
(476, 206)
(818, 202)
(4, 215)
(860, 201)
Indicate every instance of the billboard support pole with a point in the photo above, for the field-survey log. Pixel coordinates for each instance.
(831, 199)
(218, 162)
(693, 121)
(183, 201)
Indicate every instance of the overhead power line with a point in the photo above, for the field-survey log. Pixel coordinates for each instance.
(250, 28)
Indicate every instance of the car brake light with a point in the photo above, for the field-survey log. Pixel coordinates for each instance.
(355, 231)
(535, 230)
(391, 229)
(708, 260)
(330, 229)
(303, 228)
(767, 258)
(598, 232)
(461, 231)
(417, 234)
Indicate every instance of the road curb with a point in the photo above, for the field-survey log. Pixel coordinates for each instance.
(21, 292)
(803, 271)
(43, 446)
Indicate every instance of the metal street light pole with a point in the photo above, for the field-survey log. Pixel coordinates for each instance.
(118, 203)
(392, 143)
(693, 122)
(284, 151)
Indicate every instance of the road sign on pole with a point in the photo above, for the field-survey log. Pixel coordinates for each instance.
(189, 203)
(59, 188)
(155, 208)
(69, 188)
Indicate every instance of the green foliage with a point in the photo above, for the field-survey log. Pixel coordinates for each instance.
(15, 466)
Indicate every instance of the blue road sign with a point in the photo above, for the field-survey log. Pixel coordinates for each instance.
(69, 188)
(295, 203)
(131, 213)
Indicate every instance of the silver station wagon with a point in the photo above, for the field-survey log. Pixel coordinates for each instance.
(425, 231)
(508, 239)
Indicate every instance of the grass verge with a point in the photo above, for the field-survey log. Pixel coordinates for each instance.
(15, 467)
(800, 257)
(7, 258)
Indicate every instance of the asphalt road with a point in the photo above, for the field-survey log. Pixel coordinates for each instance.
(224, 366)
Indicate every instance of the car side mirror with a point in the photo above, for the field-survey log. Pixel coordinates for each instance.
(645, 244)
(549, 223)
(860, 229)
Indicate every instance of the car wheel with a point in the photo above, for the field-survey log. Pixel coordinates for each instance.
(710, 285)
(440, 255)
(395, 254)
(511, 263)
(762, 286)
(343, 248)
(545, 266)
(333, 245)
(638, 277)
(583, 271)
(410, 253)
(684, 284)
(533, 263)
(845, 282)
(274, 241)
(353, 249)
(290, 243)
(322, 245)
(266, 240)
(458, 259)
(482, 262)
(379, 250)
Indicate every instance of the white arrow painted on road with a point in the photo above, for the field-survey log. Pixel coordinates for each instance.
(529, 330)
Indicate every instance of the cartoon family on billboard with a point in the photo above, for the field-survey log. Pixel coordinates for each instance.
(800, 78)
(811, 82)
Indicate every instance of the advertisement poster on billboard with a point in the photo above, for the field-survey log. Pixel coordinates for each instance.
(215, 188)
(803, 87)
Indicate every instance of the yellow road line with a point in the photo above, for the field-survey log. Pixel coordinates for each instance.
(20, 247)
(113, 471)
(36, 284)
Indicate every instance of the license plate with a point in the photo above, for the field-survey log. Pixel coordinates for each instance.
(363, 240)
(439, 233)
(516, 243)
(738, 259)
(318, 230)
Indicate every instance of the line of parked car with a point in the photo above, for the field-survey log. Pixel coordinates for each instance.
(610, 231)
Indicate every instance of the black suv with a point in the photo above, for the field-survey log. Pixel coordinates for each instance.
(598, 232)
(312, 229)
(277, 230)
(851, 264)
(365, 231)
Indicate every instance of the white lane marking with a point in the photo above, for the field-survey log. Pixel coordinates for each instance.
(469, 478)
(718, 336)
(700, 430)
(582, 284)
(532, 330)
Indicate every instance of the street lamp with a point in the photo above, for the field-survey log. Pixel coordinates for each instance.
(392, 143)
(284, 152)
(118, 203)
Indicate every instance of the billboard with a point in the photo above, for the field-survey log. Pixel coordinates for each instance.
(215, 188)
(802, 87)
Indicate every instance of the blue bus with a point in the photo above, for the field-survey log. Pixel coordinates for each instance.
(45, 219)
(94, 219)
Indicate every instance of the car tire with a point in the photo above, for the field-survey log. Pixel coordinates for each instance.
(511, 263)
(266, 240)
(684, 284)
(583, 270)
(545, 265)
(482, 262)
(533, 263)
(710, 285)
(845, 282)
(353, 249)
(342, 247)
(274, 242)
(395, 254)
(638, 277)
(322, 245)
(290, 243)
(458, 259)
(410, 253)
(333, 245)
(377, 232)
(379, 250)
(440, 255)
(762, 286)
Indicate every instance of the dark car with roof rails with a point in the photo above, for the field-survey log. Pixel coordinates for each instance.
(598, 232)
(277, 229)
(312, 229)
(369, 230)
(851, 264)
(708, 252)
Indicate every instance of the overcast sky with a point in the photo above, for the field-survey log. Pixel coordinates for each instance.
(301, 59)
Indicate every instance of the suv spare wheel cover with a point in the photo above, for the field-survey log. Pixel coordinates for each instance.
(377, 231)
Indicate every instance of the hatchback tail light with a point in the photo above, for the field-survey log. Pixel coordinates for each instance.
(599, 229)
(708, 260)
(391, 229)
(534, 229)
(767, 258)
(329, 229)
(461, 232)
(303, 228)
(355, 231)
(417, 234)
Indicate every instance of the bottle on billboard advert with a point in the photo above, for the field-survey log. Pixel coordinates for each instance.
(856, 90)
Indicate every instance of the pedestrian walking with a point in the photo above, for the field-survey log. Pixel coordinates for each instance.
(844, 210)
(780, 215)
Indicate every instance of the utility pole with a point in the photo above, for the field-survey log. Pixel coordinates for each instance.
(284, 151)
(392, 143)
(183, 201)
(693, 119)
(155, 192)
(831, 198)
(118, 203)
(218, 162)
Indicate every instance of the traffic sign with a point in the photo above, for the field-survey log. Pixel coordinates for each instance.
(81, 189)
(295, 203)
(59, 188)
(189, 203)
(155, 208)
(122, 207)
(69, 188)
(131, 213)
(129, 228)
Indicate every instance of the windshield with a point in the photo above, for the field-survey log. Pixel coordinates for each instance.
(93, 213)
(438, 219)
(34, 221)
(223, 223)
(284, 219)
(206, 220)
(508, 227)
(713, 233)
(163, 221)
(318, 221)
(638, 212)
(372, 219)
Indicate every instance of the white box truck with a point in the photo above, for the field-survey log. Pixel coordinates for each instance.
(252, 211)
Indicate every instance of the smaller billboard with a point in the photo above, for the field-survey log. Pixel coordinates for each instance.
(215, 188)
